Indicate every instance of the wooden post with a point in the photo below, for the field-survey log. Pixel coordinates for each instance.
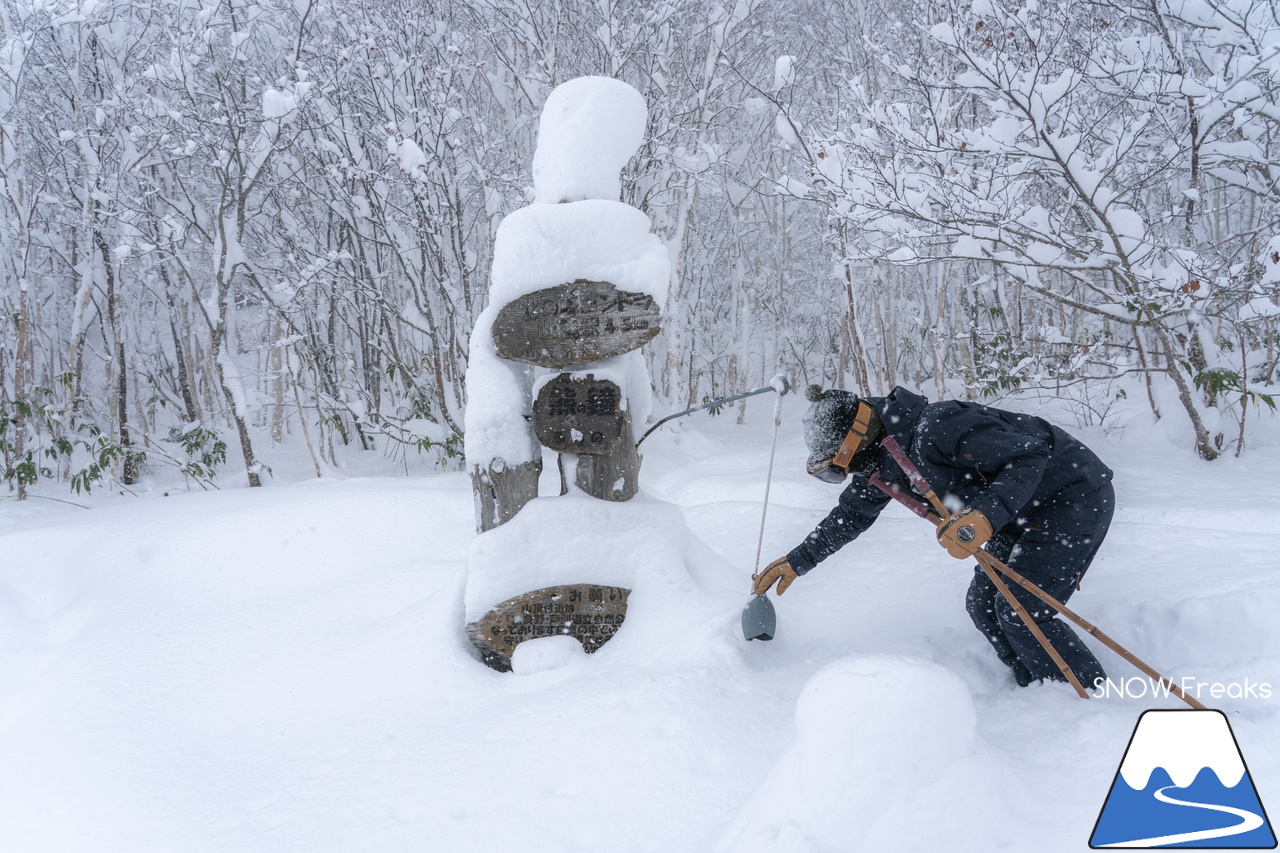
(613, 475)
(500, 492)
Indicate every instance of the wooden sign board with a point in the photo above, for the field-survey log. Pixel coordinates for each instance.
(579, 416)
(574, 324)
(590, 614)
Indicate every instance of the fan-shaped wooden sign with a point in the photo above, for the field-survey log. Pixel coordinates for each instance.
(574, 324)
(590, 614)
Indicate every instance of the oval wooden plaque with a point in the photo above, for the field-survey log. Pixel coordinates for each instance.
(579, 416)
(589, 613)
(573, 324)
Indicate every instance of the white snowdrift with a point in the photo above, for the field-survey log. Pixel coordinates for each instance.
(880, 741)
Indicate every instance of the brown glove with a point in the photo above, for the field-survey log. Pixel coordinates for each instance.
(964, 533)
(779, 570)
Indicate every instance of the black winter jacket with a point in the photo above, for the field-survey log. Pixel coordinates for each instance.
(1004, 464)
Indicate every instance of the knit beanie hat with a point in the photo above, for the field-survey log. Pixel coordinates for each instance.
(831, 413)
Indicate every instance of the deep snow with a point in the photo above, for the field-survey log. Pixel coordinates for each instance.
(286, 669)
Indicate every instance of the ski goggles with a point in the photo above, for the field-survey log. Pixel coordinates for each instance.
(835, 468)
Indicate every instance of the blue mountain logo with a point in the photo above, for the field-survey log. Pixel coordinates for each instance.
(1183, 783)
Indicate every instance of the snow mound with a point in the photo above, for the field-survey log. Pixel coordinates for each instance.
(574, 539)
(876, 739)
(590, 128)
(543, 654)
(784, 72)
(545, 245)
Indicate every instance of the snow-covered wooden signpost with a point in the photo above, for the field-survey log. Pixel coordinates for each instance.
(577, 287)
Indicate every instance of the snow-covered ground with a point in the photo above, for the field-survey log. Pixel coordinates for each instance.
(285, 669)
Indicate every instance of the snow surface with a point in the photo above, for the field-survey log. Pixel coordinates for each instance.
(545, 654)
(286, 668)
(827, 791)
(784, 72)
(1270, 260)
(786, 128)
(590, 127)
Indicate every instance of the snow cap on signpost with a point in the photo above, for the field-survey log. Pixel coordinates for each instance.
(590, 128)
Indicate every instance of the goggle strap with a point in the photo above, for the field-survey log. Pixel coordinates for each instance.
(856, 436)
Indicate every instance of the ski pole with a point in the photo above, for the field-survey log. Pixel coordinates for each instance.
(780, 385)
(922, 486)
(723, 400)
(988, 561)
(759, 620)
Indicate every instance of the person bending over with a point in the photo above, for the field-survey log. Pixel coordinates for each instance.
(1033, 495)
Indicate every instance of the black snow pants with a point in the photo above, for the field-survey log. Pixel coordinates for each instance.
(1051, 547)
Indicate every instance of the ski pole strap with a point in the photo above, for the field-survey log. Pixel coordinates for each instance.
(918, 482)
(1036, 631)
(918, 507)
(1088, 627)
(985, 560)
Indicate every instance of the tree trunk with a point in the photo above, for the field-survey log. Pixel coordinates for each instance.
(1186, 395)
(21, 401)
(857, 357)
(251, 466)
(129, 463)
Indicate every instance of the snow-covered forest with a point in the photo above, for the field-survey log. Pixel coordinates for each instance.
(226, 224)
